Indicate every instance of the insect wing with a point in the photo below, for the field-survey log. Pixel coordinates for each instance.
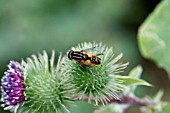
(98, 50)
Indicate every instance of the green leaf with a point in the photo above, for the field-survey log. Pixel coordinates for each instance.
(112, 108)
(166, 109)
(136, 72)
(158, 96)
(128, 81)
(154, 36)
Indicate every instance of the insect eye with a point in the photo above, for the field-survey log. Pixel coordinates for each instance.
(99, 61)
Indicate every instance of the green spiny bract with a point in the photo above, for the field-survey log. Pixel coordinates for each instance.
(97, 83)
(47, 91)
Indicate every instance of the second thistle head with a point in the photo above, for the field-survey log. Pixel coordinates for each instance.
(92, 70)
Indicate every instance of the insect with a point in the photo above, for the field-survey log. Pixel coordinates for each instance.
(84, 57)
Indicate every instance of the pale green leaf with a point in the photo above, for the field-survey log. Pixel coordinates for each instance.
(158, 96)
(129, 81)
(136, 72)
(166, 109)
(112, 108)
(154, 36)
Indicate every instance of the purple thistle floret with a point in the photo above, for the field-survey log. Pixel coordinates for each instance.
(13, 87)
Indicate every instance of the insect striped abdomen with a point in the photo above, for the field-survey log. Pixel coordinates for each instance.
(84, 58)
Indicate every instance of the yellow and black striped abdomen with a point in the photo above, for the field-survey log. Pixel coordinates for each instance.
(77, 55)
(84, 58)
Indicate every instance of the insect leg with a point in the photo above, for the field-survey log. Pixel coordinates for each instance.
(99, 54)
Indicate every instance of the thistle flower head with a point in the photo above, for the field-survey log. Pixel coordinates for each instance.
(47, 91)
(13, 87)
(98, 82)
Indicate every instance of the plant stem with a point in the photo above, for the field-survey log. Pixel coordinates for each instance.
(123, 99)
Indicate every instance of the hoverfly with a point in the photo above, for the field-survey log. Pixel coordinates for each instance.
(84, 57)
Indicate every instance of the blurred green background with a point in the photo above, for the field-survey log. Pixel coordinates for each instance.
(29, 26)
